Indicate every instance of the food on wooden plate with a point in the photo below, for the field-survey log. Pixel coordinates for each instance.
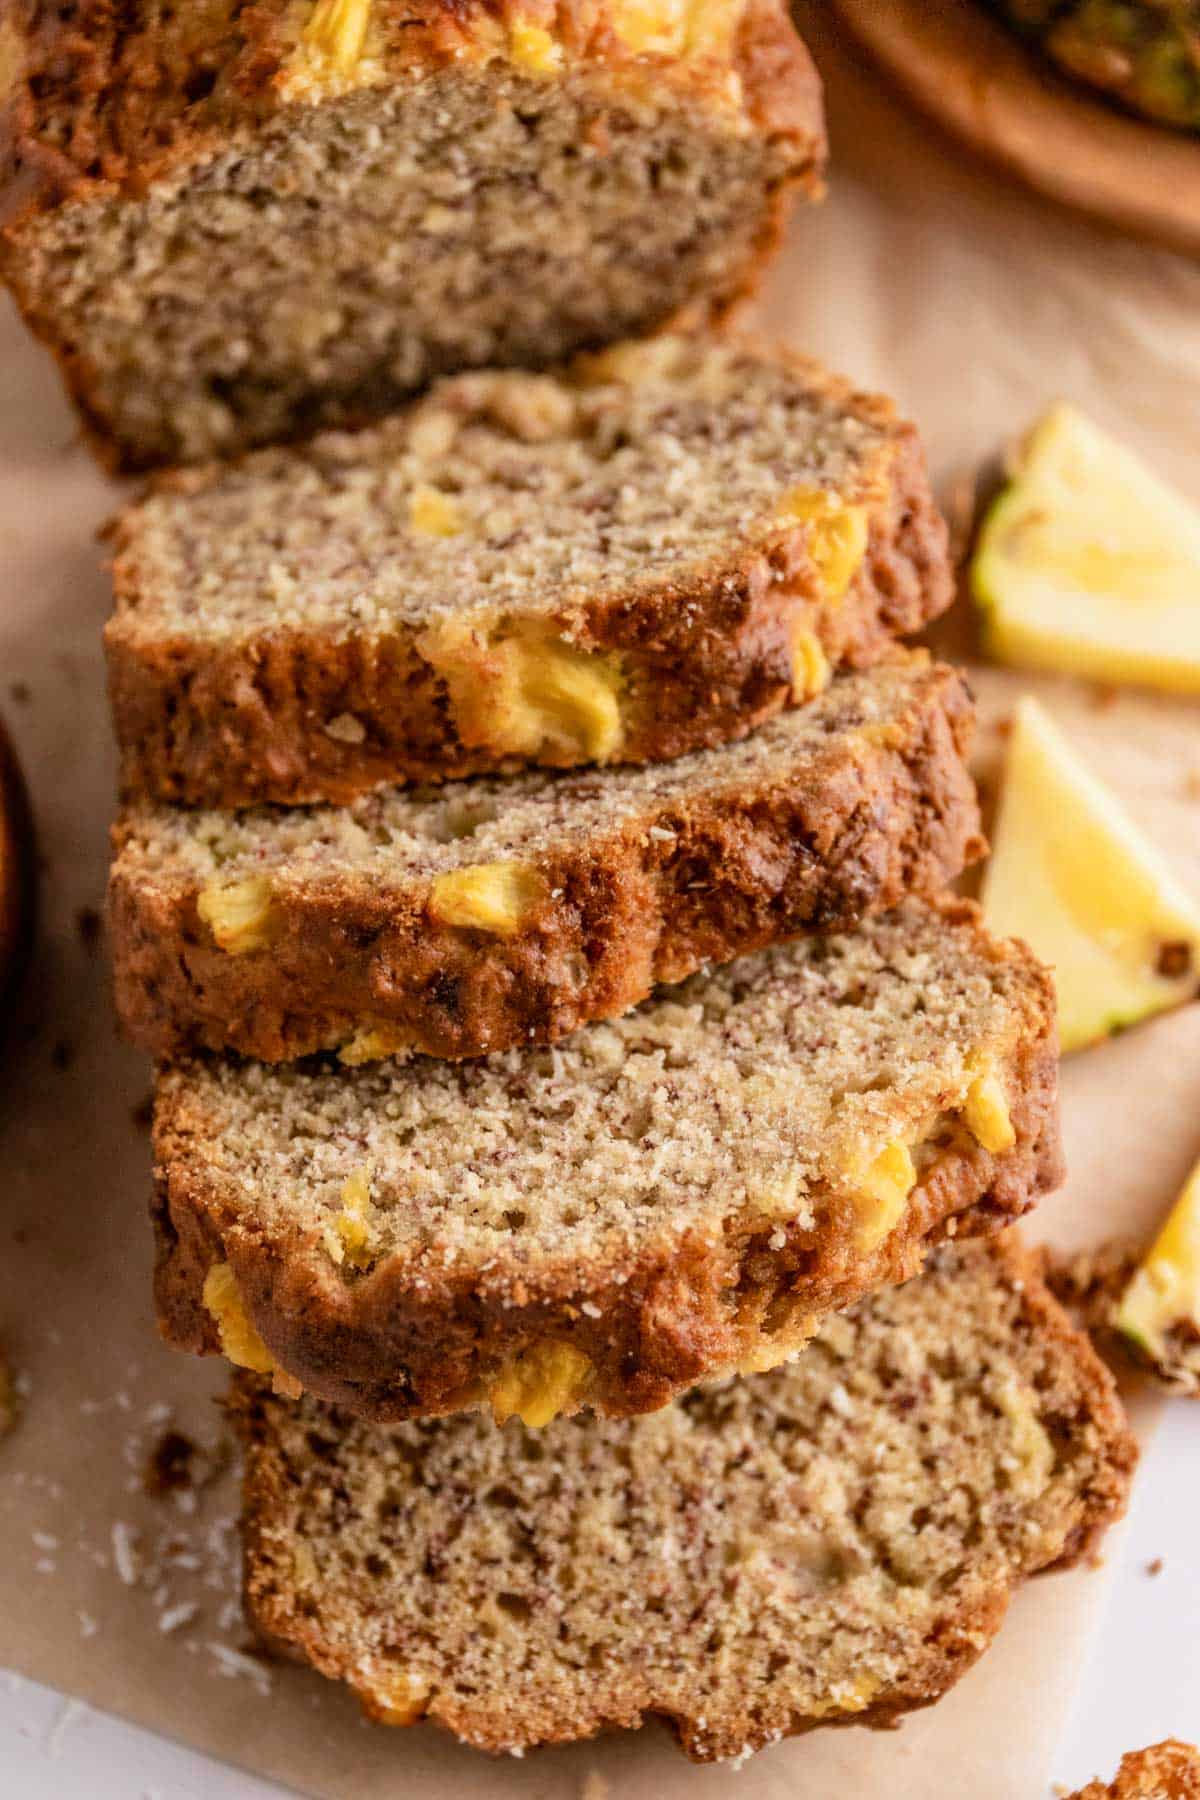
(17, 869)
(1166, 1771)
(1144, 53)
(644, 555)
(832, 1543)
(235, 223)
(1089, 564)
(1159, 1311)
(491, 913)
(1072, 874)
(674, 1194)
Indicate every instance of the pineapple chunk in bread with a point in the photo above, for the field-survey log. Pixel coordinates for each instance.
(663, 1197)
(645, 554)
(235, 223)
(832, 1543)
(491, 913)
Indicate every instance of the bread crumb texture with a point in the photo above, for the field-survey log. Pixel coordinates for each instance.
(671, 1193)
(237, 223)
(646, 553)
(834, 1541)
(477, 514)
(474, 916)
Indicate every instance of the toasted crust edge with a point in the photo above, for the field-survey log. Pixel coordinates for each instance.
(742, 870)
(236, 723)
(1166, 1771)
(396, 1345)
(960, 1641)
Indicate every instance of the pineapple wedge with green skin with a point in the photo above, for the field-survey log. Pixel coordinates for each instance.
(1144, 53)
(1088, 564)
(1159, 1311)
(1071, 874)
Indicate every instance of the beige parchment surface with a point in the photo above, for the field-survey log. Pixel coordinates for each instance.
(975, 305)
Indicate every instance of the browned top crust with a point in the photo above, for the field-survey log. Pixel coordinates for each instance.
(101, 97)
(1166, 1771)
(832, 1543)
(665, 1197)
(312, 667)
(345, 934)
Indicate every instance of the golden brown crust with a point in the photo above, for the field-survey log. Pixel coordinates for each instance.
(635, 906)
(1166, 1771)
(208, 721)
(99, 101)
(401, 1345)
(722, 1725)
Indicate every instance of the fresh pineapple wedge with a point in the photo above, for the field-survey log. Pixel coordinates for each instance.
(1160, 1309)
(1071, 874)
(1088, 564)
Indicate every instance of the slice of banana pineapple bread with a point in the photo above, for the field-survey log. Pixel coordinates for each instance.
(234, 223)
(670, 1195)
(489, 913)
(832, 1543)
(1166, 1771)
(644, 555)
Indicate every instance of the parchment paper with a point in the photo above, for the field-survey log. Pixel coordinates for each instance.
(975, 305)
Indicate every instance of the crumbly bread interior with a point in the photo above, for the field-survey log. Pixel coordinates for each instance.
(752, 1091)
(509, 496)
(395, 836)
(835, 1539)
(343, 254)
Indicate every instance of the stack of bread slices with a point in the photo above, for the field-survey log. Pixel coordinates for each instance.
(533, 873)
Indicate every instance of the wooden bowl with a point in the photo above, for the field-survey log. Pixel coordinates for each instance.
(997, 95)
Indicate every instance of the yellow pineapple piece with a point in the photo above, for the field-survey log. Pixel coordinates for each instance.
(1163, 1299)
(487, 896)
(986, 1115)
(533, 49)
(1072, 874)
(540, 1383)
(632, 363)
(1088, 563)
(353, 1223)
(529, 694)
(241, 914)
(431, 513)
(371, 1043)
(779, 1346)
(394, 1696)
(811, 673)
(338, 28)
(837, 535)
(651, 26)
(240, 1341)
(883, 1190)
